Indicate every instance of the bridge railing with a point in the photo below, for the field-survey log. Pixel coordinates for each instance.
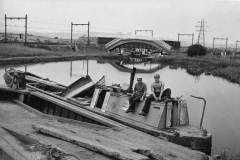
(164, 45)
(112, 42)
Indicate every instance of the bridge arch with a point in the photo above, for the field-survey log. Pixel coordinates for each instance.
(138, 43)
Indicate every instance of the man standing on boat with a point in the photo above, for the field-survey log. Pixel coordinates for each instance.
(140, 90)
(157, 88)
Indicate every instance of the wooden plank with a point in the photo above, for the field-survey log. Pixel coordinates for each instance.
(105, 102)
(81, 111)
(91, 145)
(127, 138)
(11, 146)
(95, 98)
(76, 91)
(128, 143)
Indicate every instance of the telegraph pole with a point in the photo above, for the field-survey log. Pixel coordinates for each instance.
(88, 33)
(181, 34)
(237, 41)
(71, 31)
(81, 24)
(5, 35)
(26, 29)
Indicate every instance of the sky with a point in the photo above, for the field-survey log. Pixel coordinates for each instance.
(166, 17)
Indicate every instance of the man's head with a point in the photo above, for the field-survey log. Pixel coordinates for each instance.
(156, 77)
(139, 80)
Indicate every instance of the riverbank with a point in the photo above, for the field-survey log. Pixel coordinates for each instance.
(227, 68)
(12, 54)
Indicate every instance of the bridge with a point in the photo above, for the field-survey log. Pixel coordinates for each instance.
(128, 44)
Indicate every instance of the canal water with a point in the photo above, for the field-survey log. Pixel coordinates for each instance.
(222, 116)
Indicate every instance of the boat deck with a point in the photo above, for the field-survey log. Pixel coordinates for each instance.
(88, 141)
(14, 117)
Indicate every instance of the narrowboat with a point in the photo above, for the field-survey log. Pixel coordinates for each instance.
(168, 120)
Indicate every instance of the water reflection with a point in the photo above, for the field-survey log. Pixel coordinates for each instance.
(223, 103)
(145, 65)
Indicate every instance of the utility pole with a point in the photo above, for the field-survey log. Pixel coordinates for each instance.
(88, 33)
(144, 30)
(213, 42)
(181, 34)
(71, 31)
(201, 31)
(26, 29)
(81, 24)
(15, 18)
(5, 35)
(237, 41)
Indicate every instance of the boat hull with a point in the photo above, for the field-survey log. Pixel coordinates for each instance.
(113, 105)
(166, 121)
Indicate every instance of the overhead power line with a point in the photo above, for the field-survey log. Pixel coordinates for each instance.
(15, 18)
(184, 34)
(201, 32)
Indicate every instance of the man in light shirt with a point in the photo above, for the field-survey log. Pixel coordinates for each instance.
(157, 88)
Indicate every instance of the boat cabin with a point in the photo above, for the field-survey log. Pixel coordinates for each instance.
(161, 114)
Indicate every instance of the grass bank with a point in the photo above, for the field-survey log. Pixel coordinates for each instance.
(227, 67)
(11, 54)
(8, 50)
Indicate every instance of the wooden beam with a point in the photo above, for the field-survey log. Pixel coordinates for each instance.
(89, 144)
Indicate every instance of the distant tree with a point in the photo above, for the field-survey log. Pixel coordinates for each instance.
(196, 50)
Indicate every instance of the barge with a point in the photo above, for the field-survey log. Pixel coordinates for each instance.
(168, 121)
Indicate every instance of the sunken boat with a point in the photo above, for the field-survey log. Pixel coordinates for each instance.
(35, 125)
(168, 121)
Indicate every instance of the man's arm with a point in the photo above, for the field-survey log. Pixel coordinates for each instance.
(162, 89)
(144, 93)
(134, 90)
(153, 93)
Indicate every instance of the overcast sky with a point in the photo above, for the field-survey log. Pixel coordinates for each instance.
(165, 17)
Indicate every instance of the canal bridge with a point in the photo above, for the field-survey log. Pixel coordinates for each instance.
(140, 44)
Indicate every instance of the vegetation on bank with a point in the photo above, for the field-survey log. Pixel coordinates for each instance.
(196, 50)
(19, 50)
(227, 67)
(9, 50)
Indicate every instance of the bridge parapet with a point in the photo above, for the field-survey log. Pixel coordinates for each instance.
(158, 44)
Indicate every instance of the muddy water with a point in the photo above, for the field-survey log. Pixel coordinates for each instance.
(222, 116)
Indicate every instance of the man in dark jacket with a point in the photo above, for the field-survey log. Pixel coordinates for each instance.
(139, 94)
